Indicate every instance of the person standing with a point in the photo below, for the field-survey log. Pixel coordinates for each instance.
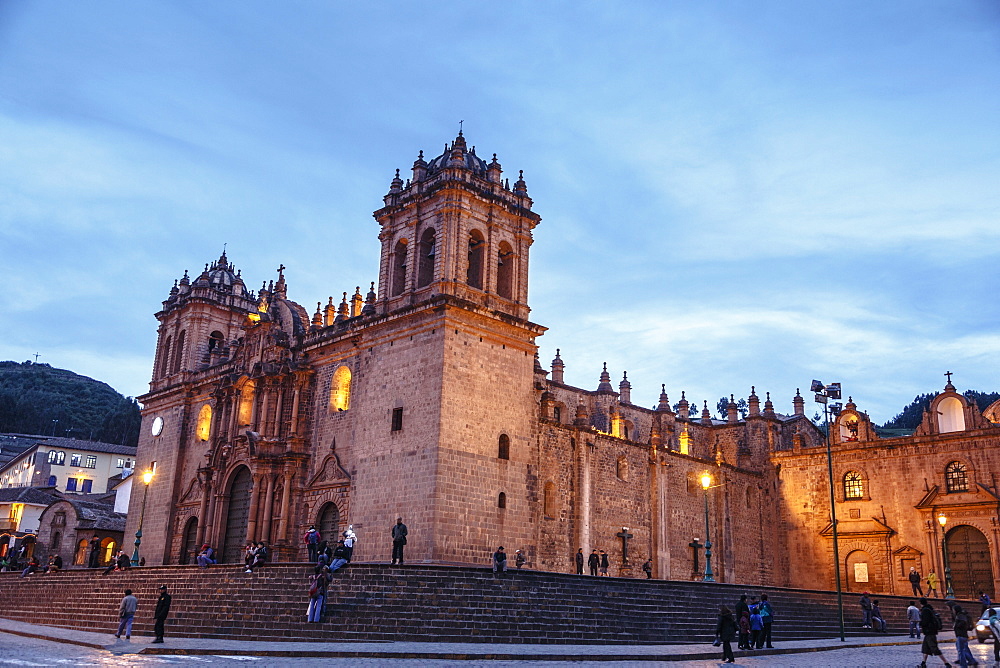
(932, 583)
(725, 630)
(500, 561)
(160, 615)
(915, 582)
(593, 563)
(126, 612)
(95, 552)
(317, 593)
(311, 539)
(647, 568)
(931, 625)
(767, 618)
(349, 539)
(519, 559)
(756, 627)
(913, 617)
(961, 629)
(398, 541)
(984, 599)
(604, 564)
(866, 611)
(579, 561)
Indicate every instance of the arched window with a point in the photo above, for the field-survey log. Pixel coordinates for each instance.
(340, 389)
(426, 254)
(951, 415)
(165, 356)
(56, 541)
(108, 549)
(245, 416)
(956, 477)
(204, 428)
(215, 341)
(399, 268)
(505, 271)
(622, 469)
(503, 449)
(749, 497)
(477, 248)
(81, 553)
(854, 485)
(501, 500)
(549, 500)
(557, 414)
(54, 457)
(52, 481)
(179, 351)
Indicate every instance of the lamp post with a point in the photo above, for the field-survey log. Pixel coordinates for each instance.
(823, 394)
(147, 478)
(706, 482)
(949, 592)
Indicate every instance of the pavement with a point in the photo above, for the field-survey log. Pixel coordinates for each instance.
(441, 651)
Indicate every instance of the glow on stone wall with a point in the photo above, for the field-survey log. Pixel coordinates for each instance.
(246, 403)
(204, 428)
(340, 389)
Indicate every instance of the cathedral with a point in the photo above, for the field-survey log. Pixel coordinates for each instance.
(424, 399)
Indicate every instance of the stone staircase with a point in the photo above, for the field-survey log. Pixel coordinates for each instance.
(378, 602)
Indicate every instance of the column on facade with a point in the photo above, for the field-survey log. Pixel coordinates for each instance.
(280, 391)
(265, 409)
(213, 533)
(584, 492)
(203, 508)
(286, 499)
(234, 412)
(254, 408)
(254, 505)
(294, 428)
(265, 533)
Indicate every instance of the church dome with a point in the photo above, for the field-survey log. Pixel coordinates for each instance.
(458, 155)
(222, 276)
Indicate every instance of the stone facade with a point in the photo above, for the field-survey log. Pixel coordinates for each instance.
(424, 399)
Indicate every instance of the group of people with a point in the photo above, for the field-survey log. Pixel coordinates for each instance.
(500, 560)
(927, 622)
(327, 560)
(597, 563)
(750, 625)
(871, 614)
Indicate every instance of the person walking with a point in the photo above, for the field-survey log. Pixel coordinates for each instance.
(961, 629)
(767, 618)
(499, 561)
(915, 581)
(930, 625)
(932, 583)
(593, 563)
(725, 630)
(398, 541)
(604, 564)
(126, 612)
(160, 615)
(519, 559)
(866, 611)
(913, 617)
(579, 561)
(317, 593)
(312, 538)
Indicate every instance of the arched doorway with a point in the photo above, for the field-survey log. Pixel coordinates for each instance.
(188, 548)
(969, 557)
(108, 550)
(237, 515)
(861, 572)
(80, 558)
(329, 523)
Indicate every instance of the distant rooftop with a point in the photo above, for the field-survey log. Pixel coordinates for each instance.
(19, 443)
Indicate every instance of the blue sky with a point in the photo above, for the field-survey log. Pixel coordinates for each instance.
(732, 194)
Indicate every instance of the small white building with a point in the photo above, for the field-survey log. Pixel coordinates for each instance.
(67, 464)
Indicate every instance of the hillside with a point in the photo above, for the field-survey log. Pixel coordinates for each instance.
(39, 399)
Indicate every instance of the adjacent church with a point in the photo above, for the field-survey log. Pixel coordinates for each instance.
(424, 399)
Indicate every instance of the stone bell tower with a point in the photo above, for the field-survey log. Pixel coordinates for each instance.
(456, 228)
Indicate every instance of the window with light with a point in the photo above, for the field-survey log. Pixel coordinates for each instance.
(854, 485)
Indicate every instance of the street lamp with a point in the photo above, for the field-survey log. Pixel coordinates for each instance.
(706, 482)
(949, 592)
(147, 478)
(823, 395)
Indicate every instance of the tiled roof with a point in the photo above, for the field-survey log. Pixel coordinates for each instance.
(24, 442)
(98, 515)
(32, 495)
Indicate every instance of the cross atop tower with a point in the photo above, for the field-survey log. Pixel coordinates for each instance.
(949, 374)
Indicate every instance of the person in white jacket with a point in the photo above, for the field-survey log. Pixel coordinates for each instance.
(913, 617)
